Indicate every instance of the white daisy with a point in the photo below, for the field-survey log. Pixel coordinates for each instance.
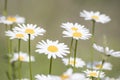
(96, 16)
(94, 73)
(71, 26)
(81, 33)
(31, 29)
(24, 57)
(79, 62)
(12, 19)
(48, 77)
(52, 49)
(106, 50)
(16, 34)
(77, 76)
(97, 65)
(67, 74)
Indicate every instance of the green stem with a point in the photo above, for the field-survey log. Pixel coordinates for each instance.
(29, 52)
(75, 52)
(92, 41)
(5, 8)
(70, 50)
(19, 72)
(13, 70)
(50, 67)
(103, 61)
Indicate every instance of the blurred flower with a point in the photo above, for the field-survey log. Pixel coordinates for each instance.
(31, 29)
(108, 78)
(78, 76)
(66, 75)
(79, 62)
(12, 19)
(98, 65)
(94, 73)
(16, 34)
(23, 79)
(48, 77)
(24, 57)
(79, 33)
(52, 49)
(71, 26)
(106, 50)
(96, 16)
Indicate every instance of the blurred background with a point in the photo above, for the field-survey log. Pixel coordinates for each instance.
(50, 14)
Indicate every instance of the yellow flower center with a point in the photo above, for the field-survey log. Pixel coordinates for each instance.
(77, 34)
(21, 58)
(52, 48)
(29, 31)
(72, 62)
(95, 17)
(13, 19)
(93, 74)
(19, 35)
(74, 28)
(63, 77)
(99, 66)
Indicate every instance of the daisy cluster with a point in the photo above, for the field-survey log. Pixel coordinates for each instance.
(78, 68)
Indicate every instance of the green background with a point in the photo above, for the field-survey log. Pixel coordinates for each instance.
(50, 14)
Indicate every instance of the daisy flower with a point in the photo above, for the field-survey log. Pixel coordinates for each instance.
(31, 29)
(81, 33)
(94, 73)
(71, 26)
(48, 77)
(24, 57)
(12, 19)
(98, 65)
(77, 76)
(17, 35)
(52, 49)
(67, 74)
(106, 50)
(96, 16)
(79, 62)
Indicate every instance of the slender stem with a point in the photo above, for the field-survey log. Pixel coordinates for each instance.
(92, 41)
(75, 52)
(70, 50)
(10, 52)
(19, 72)
(50, 67)
(5, 8)
(29, 52)
(103, 61)
(13, 70)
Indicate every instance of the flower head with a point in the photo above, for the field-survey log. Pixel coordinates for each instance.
(106, 50)
(12, 19)
(17, 35)
(71, 26)
(52, 48)
(96, 16)
(23, 79)
(48, 77)
(24, 57)
(31, 29)
(94, 73)
(67, 74)
(77, 76)
(79, 32)
(79, 62)
(98, 65)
